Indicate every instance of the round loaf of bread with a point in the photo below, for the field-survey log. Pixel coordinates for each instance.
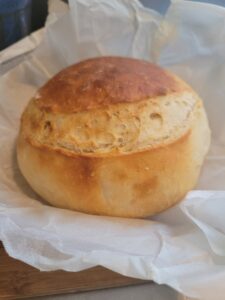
(113, 136)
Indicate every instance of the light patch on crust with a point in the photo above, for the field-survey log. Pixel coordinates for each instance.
(117, 129)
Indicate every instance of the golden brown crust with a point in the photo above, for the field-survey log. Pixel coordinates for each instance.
(130, 143)
(135, 185)
(99, 82)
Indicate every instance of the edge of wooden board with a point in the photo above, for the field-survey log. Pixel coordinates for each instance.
(19, 280)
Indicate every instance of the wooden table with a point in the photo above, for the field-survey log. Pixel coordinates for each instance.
(18, 280)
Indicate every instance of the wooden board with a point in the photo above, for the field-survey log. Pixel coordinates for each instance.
(18, 280)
